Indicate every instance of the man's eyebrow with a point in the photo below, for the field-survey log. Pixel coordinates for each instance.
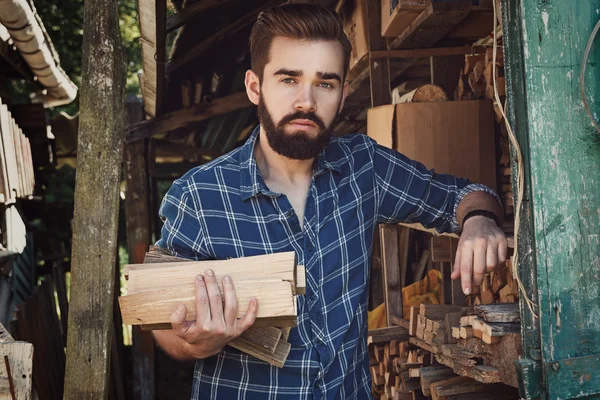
(288, 72)
(329, 75)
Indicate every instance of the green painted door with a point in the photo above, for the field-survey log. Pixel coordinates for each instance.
(544, 44)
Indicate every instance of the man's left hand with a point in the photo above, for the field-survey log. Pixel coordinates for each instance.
(482, 246)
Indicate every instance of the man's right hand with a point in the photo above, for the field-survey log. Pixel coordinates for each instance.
(216, 321)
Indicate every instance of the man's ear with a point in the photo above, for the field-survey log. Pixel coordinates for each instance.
(252, 86)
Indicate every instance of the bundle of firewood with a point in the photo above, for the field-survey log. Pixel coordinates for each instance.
(158, 286)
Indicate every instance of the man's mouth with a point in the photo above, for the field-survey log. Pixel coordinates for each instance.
(303, 123)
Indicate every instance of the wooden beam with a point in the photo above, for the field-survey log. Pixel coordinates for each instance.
(187, 116)
(95, 221)
(202, 47)
(137, 225)
(192, 11)
(423, 53)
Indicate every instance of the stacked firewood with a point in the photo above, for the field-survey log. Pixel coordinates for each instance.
(476, 83)
(480, 343)
(392, 359)
(499, 286)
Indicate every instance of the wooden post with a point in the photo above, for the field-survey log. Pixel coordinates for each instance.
(99, 157)
(137, 216)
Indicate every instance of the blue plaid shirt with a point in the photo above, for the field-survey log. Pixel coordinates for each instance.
(224, 209)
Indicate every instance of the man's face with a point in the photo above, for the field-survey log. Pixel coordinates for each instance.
(301, 93)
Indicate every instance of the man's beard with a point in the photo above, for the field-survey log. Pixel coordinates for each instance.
(297, 145)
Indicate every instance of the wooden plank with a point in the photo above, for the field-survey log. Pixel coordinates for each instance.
(9, 153)
(391, 271)
(152, 18)
(156, 306)
(277, 358)
(188, 116)
(414, 316)
(16, 359)
(4, 184)
(384, 335)
(145, 277)
(94, 245)
(495, 328)
(432, 374)
(439, 311)
(505, 312)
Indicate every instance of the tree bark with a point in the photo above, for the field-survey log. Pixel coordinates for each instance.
(99, 156)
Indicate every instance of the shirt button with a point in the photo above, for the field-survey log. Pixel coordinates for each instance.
(309, 247)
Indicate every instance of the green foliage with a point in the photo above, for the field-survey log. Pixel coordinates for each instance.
(63, 20)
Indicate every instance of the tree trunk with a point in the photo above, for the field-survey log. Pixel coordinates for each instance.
(99, 156)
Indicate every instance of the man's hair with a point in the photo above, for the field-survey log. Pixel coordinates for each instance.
(295, 21)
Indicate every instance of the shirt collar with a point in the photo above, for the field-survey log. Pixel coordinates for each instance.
(251, 183)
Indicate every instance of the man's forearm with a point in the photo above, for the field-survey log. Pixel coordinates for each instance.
(171, 344)
(479, 201)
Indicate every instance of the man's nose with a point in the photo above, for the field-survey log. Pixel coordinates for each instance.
(305, 101)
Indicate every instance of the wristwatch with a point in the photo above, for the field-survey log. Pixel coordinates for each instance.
(484, 213)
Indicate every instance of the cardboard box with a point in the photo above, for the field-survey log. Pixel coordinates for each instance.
(396, 15)
(453, 137)
(356, 26)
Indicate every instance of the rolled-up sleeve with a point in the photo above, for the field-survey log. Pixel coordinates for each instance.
(181, 233)
(408, 192)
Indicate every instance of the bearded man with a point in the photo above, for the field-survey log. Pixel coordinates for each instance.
(293, 186)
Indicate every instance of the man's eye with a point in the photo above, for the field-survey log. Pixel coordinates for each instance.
(287, 80)
(326, 85)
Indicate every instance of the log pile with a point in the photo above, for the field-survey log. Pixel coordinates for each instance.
(391, 359)
(432, 362)
(476, 83)
(480, 342)
(158, 286)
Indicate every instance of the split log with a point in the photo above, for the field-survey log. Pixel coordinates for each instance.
(277, 305)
